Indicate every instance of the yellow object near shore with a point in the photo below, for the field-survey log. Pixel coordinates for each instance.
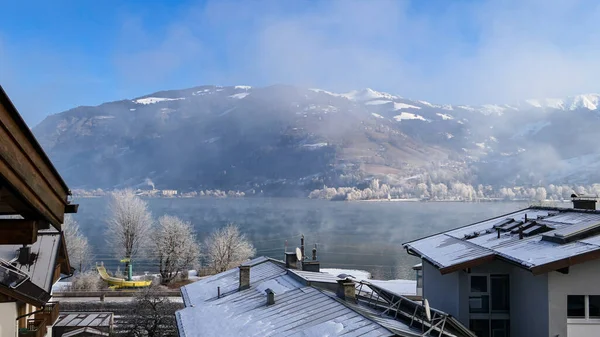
(115, 282)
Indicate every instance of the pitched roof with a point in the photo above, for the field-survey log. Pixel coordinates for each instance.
(85, 319)
(36, 278)
(301, 308)
(298, 309)
(539, 239)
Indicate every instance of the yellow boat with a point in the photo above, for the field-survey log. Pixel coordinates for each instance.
(116, 283)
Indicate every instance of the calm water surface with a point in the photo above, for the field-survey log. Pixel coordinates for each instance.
(360, 235)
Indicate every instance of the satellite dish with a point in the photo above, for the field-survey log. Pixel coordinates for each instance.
(298, 254)
(427, 309)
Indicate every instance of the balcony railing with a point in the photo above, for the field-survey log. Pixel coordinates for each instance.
(35, 328)
(50, 313)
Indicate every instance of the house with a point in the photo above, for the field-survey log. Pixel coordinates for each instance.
(267, 297)
(169, 193)
(33, 202)
(533, 272)
(83, 324)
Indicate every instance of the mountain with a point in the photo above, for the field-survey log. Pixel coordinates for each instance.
(287, 139)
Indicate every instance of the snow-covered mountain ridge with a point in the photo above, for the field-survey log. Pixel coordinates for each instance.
(300, 138)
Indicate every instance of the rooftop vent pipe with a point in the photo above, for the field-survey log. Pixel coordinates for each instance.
(270, 296)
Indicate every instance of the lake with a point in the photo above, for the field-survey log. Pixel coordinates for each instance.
(352, 235)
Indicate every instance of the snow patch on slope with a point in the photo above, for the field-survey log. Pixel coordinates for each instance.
(367, 94)
(240, 95)
(243, 87)
(445, 116)
(585, 101)
(489, 109)
(378, 102)
(376, 115)
(152, 100)
(408, 116)
(398, 106)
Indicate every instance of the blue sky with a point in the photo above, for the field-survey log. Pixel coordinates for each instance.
(61, 54)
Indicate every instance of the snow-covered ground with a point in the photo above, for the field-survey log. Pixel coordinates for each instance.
(400, 287)
(357, 274)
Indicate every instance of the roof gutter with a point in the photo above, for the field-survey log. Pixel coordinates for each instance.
(32, 313)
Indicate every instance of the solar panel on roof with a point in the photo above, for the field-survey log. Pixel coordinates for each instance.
(10, 277)
(574, 232)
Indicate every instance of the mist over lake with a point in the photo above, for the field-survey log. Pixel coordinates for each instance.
(357, 235)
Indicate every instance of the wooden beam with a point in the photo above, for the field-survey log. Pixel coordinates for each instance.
(29, 176)
(18, 231)
(71, 208)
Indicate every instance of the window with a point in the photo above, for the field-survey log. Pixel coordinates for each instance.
(575, 306)
(479, 304)
(500, 328)
(489, 305)
(481, 327)
(419, 278)
(594, 306)
(479, 284)
(583, 306)
(500, 293)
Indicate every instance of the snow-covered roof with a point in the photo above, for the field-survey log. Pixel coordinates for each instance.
(299, 309)
(540, 248)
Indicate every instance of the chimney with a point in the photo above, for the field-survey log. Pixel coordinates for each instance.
(291, 261)
(520, 232)
(244, 277)
(24, 255)
(584, 202)
(525, 218)
(346, 290)
(302, 245)
(314, 257)
(270, 297)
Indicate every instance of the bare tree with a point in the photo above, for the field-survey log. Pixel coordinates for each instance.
(153, 314)
(78, 248)
(129, 224)
(176, 247)
(227, 247)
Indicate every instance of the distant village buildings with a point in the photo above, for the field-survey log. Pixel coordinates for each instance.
(169, 193)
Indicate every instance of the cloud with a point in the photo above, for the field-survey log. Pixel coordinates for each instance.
(468, 52)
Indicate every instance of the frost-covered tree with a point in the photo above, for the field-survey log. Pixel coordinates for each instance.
(540, 194)
(176, 246)
(78, 248)
(227, 247)
(129, 224)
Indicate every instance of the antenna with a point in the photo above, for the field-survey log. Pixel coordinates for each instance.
(298, 254)
(427, 309)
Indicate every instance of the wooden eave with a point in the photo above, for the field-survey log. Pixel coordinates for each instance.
(29, 183)
(63, 257)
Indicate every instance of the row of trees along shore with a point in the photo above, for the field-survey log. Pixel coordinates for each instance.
(132, 233)
(452, 192)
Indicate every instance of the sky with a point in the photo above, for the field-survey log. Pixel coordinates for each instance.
(61, 54)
